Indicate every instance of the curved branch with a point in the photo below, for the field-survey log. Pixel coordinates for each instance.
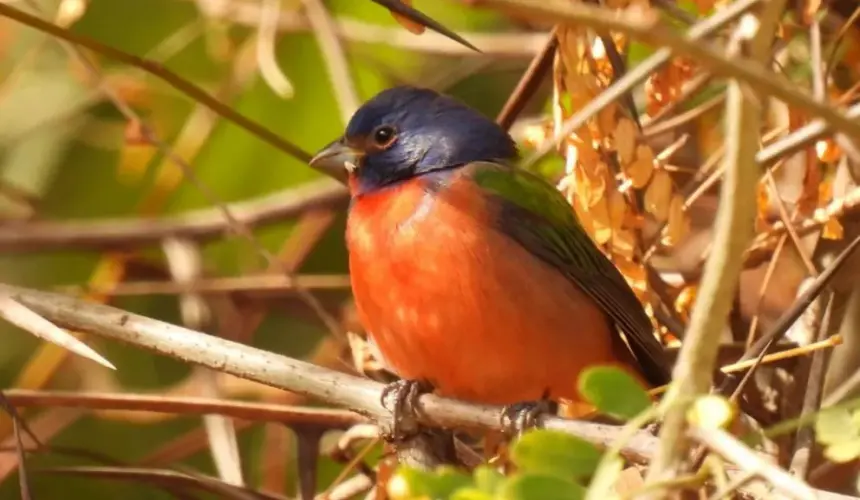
(340, 389)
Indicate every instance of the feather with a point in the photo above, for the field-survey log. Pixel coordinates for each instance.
(537, 216)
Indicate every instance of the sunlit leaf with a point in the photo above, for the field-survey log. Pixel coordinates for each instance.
(471, 494)
(833, 229)
(408, 483)
(658, 195)
(625, 140)
(487, 479)
(599, 213)
(843, 452)
(711, 412)
(555, 453)
(613, 391)
(678, 223)
(640, 169)
(538, 487)
(834, 426)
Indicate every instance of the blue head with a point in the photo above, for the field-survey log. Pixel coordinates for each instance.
(404, 132)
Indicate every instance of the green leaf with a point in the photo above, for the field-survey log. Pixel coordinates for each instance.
(613, 391)
(556, 454)
(539, 487)
(413, 482)
(690, 7)
(471, 494)
(448, 480)
(843, 452)
(834, 427)
(638, 52)
(487, 478)
(439, 484)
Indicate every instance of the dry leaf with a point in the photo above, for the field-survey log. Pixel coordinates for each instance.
(635, 275)
(704, 6)
(590, 184)
(623, 243)
(684, 301)
(606, 119)
(833, 229)
(617, 209)
(678, 224)
(584, 217)
(828, 151)
(825, 191)
(599, 213)
(407, 23)
(625, 140)
(658, 196)
(639, 171)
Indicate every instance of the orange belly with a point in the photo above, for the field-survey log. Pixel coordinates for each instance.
(451, 300)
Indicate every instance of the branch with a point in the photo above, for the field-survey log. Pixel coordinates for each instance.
(734, 229)
(198, 224)
(520, 45)
(732, 449)
(359, 394)
(185, 405)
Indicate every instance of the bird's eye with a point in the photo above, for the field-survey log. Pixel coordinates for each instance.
(383, 136)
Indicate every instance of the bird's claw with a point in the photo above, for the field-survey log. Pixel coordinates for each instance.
(520, 417)
(401, 398)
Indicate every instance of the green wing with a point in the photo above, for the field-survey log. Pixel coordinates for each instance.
(537, 216)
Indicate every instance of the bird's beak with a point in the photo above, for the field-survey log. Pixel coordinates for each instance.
(337, 160)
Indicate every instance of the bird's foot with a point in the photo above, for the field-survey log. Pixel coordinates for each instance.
(401, 398)
(520, 417)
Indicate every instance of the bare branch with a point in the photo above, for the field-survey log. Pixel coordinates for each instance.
(198, 224)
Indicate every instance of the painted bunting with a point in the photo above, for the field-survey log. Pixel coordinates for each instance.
(469, 273)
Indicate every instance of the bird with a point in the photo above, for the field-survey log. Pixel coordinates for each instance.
(472, 276)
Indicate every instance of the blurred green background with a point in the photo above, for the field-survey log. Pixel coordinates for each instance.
(64, 150)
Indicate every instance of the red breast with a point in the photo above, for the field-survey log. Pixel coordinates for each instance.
(449, 299)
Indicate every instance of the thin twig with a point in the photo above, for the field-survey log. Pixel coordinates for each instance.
(197, 224)
(761, 346)
(186, 405)
(528, 84)
(817, 369)
(266, 282)
(732, 449)
(265, 44)
(335, 59)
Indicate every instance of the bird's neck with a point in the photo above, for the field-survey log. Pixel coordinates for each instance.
(362, 186)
